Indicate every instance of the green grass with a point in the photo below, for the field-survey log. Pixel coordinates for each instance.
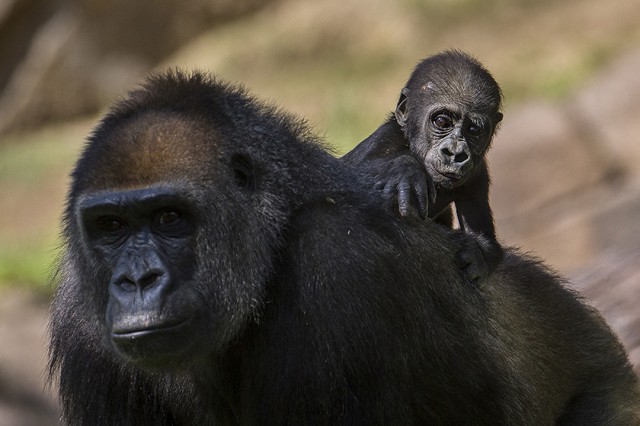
(28, 263)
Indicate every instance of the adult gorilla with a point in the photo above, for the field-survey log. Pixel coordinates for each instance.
(221, 268)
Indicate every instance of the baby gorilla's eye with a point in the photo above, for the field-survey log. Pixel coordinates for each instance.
(474, 130)
(443, 122)
(168, 217)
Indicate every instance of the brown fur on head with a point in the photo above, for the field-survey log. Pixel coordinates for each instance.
(154, 147)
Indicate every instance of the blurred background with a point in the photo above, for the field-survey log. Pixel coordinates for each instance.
(565, 163)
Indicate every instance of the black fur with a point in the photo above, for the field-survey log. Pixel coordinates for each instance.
(427, 153)
(310, 304)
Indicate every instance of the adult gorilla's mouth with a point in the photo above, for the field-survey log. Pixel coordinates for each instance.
(134, 327)
(154, 344)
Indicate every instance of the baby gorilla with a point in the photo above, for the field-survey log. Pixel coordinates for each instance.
(432, 151)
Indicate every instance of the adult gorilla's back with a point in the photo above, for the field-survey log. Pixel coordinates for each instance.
(521, 349)
(220, 267)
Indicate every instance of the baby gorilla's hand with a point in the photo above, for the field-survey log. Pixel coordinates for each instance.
(405, 179)
(470, 256)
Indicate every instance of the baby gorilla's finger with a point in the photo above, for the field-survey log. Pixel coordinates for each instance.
(422, 200)
(431, 189)
(390, 189)
(404, 197)
(379, 185)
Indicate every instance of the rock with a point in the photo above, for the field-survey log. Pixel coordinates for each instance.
(609, 109)
(612, 282)
(537, 157)
(565, 180)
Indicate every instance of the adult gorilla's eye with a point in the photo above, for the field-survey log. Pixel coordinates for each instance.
(168, 217)
(443, 122)
(172, 223)
(110, 224)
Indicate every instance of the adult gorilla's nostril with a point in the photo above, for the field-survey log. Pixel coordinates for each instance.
(126, 284)
(130, 283)
(148, 279)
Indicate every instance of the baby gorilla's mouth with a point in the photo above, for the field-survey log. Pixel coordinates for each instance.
(454, 176)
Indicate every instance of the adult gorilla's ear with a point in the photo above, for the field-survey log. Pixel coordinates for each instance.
(496, 117)
(244, 171)
(401, 108)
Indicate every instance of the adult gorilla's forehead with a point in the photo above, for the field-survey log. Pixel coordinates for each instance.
(149, 149)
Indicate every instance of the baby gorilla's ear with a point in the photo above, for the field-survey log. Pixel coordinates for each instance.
(401, 108)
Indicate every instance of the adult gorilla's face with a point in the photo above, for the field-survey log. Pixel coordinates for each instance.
(179, 264)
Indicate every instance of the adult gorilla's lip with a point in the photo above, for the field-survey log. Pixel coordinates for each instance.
(132, 329)
(155, 344)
